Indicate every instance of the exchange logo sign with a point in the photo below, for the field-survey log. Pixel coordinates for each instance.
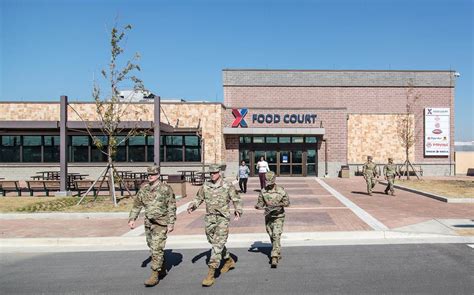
(239, 115)
(437, 123)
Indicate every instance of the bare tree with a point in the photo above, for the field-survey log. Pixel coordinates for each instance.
(112, 109)
(406, 127)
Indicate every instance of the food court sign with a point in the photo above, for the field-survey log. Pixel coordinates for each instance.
(240, 118)
(437, 131)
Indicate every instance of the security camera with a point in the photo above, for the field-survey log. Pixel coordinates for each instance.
(457, 74)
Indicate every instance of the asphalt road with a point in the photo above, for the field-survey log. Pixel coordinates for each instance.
(381, 269)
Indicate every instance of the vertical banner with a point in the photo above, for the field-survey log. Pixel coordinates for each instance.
(437, 122)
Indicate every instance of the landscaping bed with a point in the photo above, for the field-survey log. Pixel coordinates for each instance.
(448, 188)
(62, 204)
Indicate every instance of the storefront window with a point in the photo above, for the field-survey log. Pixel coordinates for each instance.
(32, 148)
(285, 139)
(311, 156)
(259, 139)
(245, 139)
(297, 139)
(136, 149)
(174, 140)
(98, 155)
(79, 149)
(192, 154)
(272, 139)
(51, 148)
(10, 149)
(174, 154)
(311, 139)
(121, 154)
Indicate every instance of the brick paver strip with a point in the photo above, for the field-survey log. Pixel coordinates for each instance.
(404, 209)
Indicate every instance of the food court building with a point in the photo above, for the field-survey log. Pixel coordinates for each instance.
(303, 122)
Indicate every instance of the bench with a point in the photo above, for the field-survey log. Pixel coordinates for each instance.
(83, 185)
(43, 186)
(10, 186)
(127, 183)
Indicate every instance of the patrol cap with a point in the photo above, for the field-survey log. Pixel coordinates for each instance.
(213, 168)
(270, 177)
(390, 159)
(369, 158)
(153, 170)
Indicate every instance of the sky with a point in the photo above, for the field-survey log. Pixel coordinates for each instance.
(52, 48)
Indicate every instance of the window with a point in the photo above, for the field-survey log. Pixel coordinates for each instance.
(311, 139)
(174, 154)
(51, 148)
(96, 154)
(32, 148)
(10, 149)
(79, 149)
(297, 139)
(285, 139)
(272, 139)
(245, 139)
(174, 140)
(259, 139)
(136, 149)
(121, 153)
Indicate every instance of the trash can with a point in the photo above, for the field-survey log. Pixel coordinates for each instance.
(178, 184)
(345, 171)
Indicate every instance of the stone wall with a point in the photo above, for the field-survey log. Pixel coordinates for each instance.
(374, 135)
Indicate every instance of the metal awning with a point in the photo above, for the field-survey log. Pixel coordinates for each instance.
(274, 131)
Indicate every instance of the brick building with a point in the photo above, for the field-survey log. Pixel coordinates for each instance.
(302, 122)
(313, 122)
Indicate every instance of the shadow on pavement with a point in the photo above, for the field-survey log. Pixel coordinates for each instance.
(171, 259)
(208, 257)
(261, 247)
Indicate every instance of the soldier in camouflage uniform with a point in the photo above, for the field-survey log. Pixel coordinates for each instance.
(390, 171)
(273, 199)
(217, 194)
(369, 170)
(158, 200)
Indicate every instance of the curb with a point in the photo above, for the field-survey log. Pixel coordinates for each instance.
(433, 196)
(64, 215)
(46, 245)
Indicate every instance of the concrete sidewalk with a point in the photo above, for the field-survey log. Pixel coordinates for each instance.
(325, 210)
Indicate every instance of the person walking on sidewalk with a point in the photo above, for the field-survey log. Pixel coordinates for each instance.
(273, 198)
(244, 172)
(217, 194)
(390, 171)
(158, 200)
(369, 170)
(262, 167)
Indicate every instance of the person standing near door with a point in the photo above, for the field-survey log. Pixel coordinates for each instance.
(262, 167)
(244, 172)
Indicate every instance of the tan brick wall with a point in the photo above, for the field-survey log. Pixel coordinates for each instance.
(29, 111)
(374, 135)
(464, 161)
(188, 114)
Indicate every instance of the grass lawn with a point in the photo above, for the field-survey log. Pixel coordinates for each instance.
(67, 204)
(447, 188)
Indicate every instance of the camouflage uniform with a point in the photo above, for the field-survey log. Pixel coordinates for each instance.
(369, 170)
(217, 197)
(273, 199)
(160, 211)
(390, 171)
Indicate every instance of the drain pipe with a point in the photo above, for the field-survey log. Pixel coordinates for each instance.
(325, 157)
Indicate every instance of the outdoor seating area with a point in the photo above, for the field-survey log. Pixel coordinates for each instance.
(47, 182)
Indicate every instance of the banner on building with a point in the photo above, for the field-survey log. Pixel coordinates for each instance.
(437, 131)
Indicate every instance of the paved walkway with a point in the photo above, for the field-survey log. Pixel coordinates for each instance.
(317, 205)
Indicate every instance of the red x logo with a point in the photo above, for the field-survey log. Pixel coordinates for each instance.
(239, 118)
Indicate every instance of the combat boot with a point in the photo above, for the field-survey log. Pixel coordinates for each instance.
(229, 264)
(392, 193)
(209, 280)
(153, 279)
(274, 262)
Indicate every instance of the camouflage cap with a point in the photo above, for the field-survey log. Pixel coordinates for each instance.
(213, 168)
(270, 177)
(390, 159)
(153, 170)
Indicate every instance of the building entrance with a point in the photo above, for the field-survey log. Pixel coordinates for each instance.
(288, 156)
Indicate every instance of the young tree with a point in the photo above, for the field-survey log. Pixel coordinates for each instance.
(111, 109)
(406, 127)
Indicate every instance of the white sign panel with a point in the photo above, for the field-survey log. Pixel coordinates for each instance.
(437, 131)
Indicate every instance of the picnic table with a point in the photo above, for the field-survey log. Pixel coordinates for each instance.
(200, 178)
(136, 175)
(187, 175)
(48, 175)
